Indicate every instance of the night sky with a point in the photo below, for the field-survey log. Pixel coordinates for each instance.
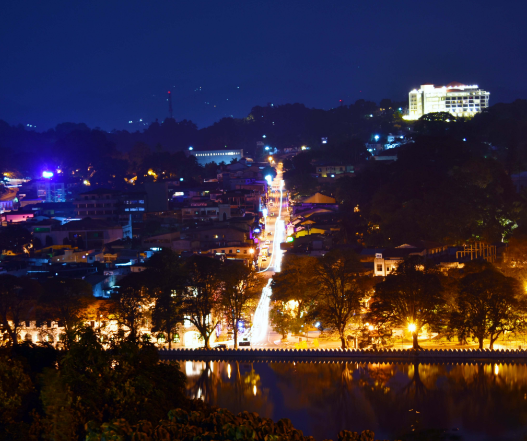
(108, 62)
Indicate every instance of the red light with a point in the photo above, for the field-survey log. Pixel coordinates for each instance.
(169, 91)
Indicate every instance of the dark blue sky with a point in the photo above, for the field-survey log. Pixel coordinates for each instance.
(107, 62)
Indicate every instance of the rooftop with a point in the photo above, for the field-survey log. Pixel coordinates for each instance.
(88, 224)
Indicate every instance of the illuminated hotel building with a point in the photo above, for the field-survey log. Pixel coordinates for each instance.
(455, 98)
(206, 156)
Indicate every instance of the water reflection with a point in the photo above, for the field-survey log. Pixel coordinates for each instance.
(469, 402)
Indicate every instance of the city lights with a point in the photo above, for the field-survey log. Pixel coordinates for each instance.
(47, 174)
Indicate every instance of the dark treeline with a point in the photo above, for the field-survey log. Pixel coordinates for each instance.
(451, 185)
(72, 145)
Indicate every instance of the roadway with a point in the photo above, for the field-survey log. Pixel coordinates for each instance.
(274, 233)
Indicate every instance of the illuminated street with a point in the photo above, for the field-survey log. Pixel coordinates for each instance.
(275, 225)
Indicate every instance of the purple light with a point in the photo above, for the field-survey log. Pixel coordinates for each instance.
(47, 174)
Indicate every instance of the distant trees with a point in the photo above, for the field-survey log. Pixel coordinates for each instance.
(202, 295)
(339, 287)
(166, 282)
(198, 290)
(67, 301)
(411, 199)
(131, 304)
(410, 298)
(283, 319)
(488, 304)
(18, 302)
(241, 290)
(295, 283)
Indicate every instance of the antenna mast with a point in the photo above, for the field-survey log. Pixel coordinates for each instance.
(170, 105)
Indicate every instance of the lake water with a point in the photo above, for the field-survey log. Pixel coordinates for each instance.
(396, 401)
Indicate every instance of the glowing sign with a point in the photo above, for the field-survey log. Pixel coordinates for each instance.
(47, 174)
(290, 239)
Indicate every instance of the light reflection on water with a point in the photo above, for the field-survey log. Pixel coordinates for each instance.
(468, 402)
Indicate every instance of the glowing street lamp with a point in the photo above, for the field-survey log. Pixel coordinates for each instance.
(376, 137)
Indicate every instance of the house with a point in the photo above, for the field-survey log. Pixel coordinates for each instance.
(332, 171)
(206, 211)
(86, 233)
(387, 260)
(317, 201)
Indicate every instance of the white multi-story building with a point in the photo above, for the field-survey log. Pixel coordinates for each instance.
(455, 98)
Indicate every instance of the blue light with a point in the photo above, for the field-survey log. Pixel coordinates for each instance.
(269, 179)
(376, 137)
(264, 136)
(266, 147)
(191, 148)
(180, 179)
(47, 174)
(256, 230)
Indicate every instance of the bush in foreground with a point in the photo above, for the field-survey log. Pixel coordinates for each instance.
(219, 424)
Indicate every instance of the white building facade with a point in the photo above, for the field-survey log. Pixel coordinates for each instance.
(456, 98)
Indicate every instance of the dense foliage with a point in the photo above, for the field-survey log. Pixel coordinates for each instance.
(53, 394)
(216, 425)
